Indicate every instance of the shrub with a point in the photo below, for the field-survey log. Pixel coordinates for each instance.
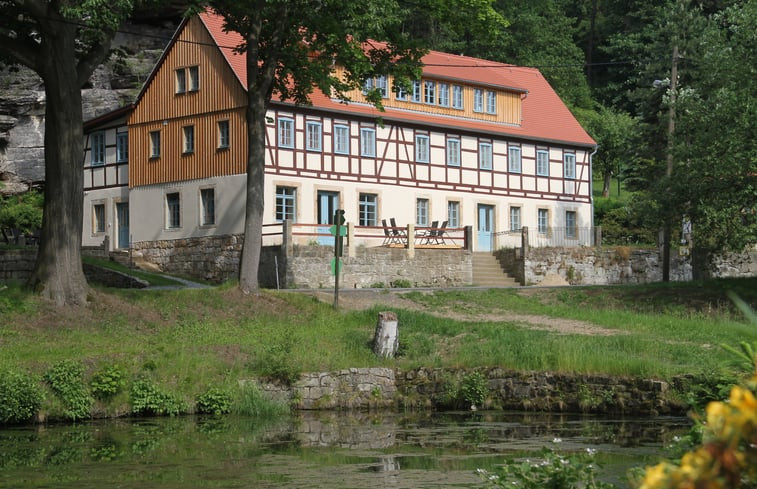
(252, 402)
(214, 401)
(20, 397)
(66, 379)
(276, 360)
(107, 382)
(474, 389)
(402, 283)
(23, 211)
(149, 399)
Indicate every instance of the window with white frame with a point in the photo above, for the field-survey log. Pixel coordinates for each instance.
(286, 203)
(314, 135)
(513, 159)
(514, 218)
(453, 152)
(367, 142)
(208, 207)
(485, 156)
(478, 100)
(382, 85)
(453, 214)
(188, 134)
(417, 91)
(429, 92)
(173, 210)
(491, 102)
(154, 144)
(194, 78)
(122, 147)
(457, 96)
(421, 148)
(223, 134)
(571, 231)
(368, 210)
(421, 212)
(98, 218)
(400, 93)
(542, 221)
(341, 139)
(181, 80)
(542, 163)
(286, 132)
(444, 94)
(569, 165)
(97, 150)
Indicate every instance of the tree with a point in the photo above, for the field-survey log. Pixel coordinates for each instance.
(63, 41)
(292, 47)
(715, 150)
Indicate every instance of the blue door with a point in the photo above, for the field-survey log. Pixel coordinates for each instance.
(122, 215)
(485, 231)
(328, 203)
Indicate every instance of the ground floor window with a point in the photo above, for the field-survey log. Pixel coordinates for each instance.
(514, 218)
(453, 214)
(421, 212)
(98, 218)
(173, 210)
(368, 206)
(286, 199)
(571, 231)
(542, 219)
(208, 207)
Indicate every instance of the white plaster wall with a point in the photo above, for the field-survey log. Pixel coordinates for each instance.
(109, 197)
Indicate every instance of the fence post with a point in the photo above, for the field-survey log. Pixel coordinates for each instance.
(524, 242)
(286, 238)
(410, 240)
(598, 236)
(468, 240)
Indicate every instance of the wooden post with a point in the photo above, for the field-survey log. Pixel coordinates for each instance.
(386, 339)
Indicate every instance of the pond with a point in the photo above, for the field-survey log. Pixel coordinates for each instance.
(315, 450)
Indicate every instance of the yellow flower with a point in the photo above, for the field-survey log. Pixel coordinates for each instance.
(656, 477)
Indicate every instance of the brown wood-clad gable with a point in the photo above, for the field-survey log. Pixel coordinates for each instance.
(219, 97)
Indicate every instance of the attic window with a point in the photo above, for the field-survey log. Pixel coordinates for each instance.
(187, 79)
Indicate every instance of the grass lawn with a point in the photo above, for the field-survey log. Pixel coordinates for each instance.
(190, 340)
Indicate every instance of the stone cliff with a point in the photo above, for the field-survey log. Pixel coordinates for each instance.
(136, 49)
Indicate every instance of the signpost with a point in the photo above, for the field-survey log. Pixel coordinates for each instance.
(339, 231)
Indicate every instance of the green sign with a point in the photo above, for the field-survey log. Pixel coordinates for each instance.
(334, 263)
(342, 230)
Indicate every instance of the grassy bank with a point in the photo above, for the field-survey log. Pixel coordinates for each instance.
(189, 341)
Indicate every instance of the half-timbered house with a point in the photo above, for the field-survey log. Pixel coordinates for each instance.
(474, 143)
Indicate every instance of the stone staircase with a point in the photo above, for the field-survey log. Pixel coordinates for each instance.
(487, 272)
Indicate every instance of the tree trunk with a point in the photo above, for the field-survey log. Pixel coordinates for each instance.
(606, 185)
(58, 273)
(253, 219)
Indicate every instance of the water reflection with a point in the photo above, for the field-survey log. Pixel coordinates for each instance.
(355, 450)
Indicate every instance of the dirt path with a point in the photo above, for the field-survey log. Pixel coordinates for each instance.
(366, 298)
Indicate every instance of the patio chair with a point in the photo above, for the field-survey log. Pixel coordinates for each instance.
(397, 233)
(388, 235)
(440, 232)
(429, 234)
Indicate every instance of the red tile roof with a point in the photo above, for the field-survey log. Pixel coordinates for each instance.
(544, 116)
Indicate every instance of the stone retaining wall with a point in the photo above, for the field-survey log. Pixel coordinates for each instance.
(17, 264)
(429, 388)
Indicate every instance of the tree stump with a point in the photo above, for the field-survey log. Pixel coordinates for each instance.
(386, 338)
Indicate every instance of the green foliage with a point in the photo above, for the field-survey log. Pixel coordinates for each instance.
(250, 401)
(22, 211)
(377, 285)
(626, 222)
(402, 283)
(474, 388)
(149, 399)
(277, 361)
(214, 401)
(107, 382)
(550, 470)
(66, 379)
(20, 397)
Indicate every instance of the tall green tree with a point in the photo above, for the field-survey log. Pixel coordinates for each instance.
(292, 47)
(715, 144)
(63, 41)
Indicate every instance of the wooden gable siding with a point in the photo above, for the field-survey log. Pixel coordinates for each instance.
(220, 97)
(508, 103)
